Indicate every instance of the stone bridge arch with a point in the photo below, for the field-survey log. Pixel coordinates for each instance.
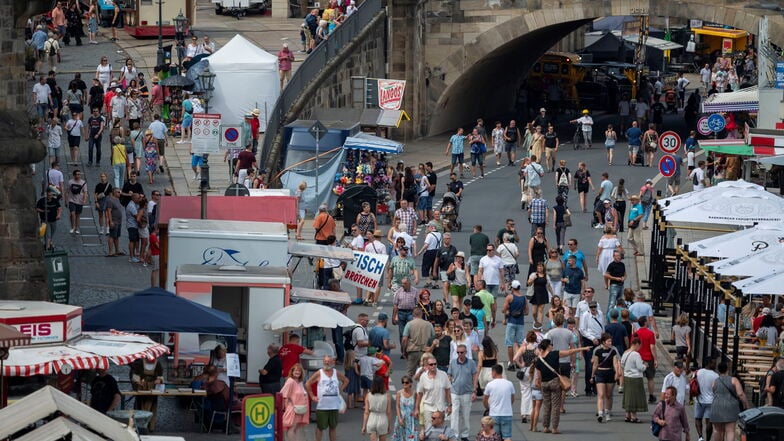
(477, 56)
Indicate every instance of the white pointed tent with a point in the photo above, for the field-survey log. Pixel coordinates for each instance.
(769, 284)
(246, 78)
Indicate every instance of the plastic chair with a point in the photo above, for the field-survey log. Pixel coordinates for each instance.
(225, 415)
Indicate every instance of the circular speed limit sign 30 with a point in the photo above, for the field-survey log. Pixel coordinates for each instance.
(669, 142)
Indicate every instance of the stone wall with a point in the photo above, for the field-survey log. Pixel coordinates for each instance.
(367, 59)
(22, 274)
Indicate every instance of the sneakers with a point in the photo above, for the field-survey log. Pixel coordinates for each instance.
(651, 399)
(574, 394)
(134, 260)
(598, 226)
(620, 389)
(510, 367)
(607, 417)
(77, 231)
(72, 230)
(600, 417)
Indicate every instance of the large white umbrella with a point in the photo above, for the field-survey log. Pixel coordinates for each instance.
(91, 350)
(305, 315)
(768, 284)
(697, 196)
(751, 265)
(739, 243)
(731, 207)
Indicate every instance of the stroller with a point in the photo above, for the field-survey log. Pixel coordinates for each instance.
(450, 209)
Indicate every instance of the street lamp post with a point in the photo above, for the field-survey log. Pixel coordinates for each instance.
(180, 24)
(160, 57)
(206, 80)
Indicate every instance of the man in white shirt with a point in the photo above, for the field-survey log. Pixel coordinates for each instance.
(159, 133)
(206, 47)
(705, 77)
(680, 86)
(55, 176)
(704, 401)
(118, 105)
(430, 251)
(676, 379)
(491, 269)
(533, 178)
(591, 329)
(583, 305)
(641, 111)
(499, 398)
(433, 392)
(697, 176)
(587, 127)
(42, 96)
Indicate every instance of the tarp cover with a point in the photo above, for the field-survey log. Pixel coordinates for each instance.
(246, 79)
(744, 100)
(158, 310)
(372, 143)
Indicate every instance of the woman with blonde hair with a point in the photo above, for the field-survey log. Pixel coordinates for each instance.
(296, 414)
(487, 432)
(300, 194)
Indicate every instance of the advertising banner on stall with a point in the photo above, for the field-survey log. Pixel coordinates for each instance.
(206, 133)
(366, 270)
(390, 93)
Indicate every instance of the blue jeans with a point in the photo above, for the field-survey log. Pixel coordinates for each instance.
(616, 292)
(403, 317)
(119, 175)
(337, 337)
(646, 212)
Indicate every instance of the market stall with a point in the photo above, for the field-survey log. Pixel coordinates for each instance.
(366, 164)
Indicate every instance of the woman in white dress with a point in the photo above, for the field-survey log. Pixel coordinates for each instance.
(103, 73)
(607, 244)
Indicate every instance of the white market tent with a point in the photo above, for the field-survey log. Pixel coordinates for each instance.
(739, 243)
(743, 100)
(48, 401)
(686, 199)
(752, 265)
(738, 206)
(768, 284)
(372, 143)
(246, 79)
(656, 43)
(773, 160)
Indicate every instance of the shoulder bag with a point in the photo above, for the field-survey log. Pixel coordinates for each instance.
(566, 384)
(656, 427)
(694, 386)
(567, 218)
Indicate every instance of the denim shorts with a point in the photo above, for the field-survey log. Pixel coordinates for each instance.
(514, 334)
(503, 425)
(702, 410)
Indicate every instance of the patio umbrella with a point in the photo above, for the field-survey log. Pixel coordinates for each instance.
(306, 315)
(739, 243)
(91, 350)
(731, 207)
(761, 263)
(177, 81)
(10, 337)
(687, 199)
(768, 284)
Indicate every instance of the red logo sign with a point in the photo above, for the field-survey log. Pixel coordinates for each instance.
(36, 329)
(390, 94)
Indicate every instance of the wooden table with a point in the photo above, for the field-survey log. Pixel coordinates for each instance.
(168, 393)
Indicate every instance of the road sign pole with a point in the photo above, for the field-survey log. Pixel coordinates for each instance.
(318, 136)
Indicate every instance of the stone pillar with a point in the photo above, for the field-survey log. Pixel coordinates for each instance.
(22, 273)
(403, 50)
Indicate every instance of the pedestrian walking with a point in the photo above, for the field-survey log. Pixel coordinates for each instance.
(606, 371)
(671, 416)
(405, 421)
(728, 401)
(296, 415)
(463, 375)
(77, 198)
(329, 382)
(378, 411)
(49, 212)
(633, 389)
(524, 359)
(499, 399)
(434, 396)
(549, 383)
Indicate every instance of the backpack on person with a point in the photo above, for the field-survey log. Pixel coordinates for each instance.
(348, 337)
(563, 180)
(647, 196)
(51, 47)
(76, 188)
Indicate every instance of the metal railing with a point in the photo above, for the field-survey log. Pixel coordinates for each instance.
(318, 59)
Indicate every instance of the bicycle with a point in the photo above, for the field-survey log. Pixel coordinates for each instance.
(577, 139)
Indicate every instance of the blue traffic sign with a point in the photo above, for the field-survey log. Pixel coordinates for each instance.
(716, 123)
(667, 166)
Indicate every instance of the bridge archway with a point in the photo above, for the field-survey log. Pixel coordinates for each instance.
(482, 76)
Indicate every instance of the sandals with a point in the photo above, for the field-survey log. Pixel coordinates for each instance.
(632, 420)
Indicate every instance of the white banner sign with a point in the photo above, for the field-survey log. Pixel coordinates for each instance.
(206, 133)
(43, 332)
(366, 270)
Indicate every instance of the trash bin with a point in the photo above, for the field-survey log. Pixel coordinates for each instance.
(762, 423)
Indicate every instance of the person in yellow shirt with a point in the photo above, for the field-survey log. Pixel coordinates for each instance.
(119, 161)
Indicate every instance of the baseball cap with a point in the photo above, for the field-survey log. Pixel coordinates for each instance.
(466, 301)
(516, 284)
(383, 316)
(118, 90)
(606, 201)
(323, 207)
(766, 311)
(648, 180)
(592, 304)
(543, 109)
(372, 350)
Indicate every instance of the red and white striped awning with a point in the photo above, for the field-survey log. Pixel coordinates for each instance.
(92, 350)
(766, 142)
